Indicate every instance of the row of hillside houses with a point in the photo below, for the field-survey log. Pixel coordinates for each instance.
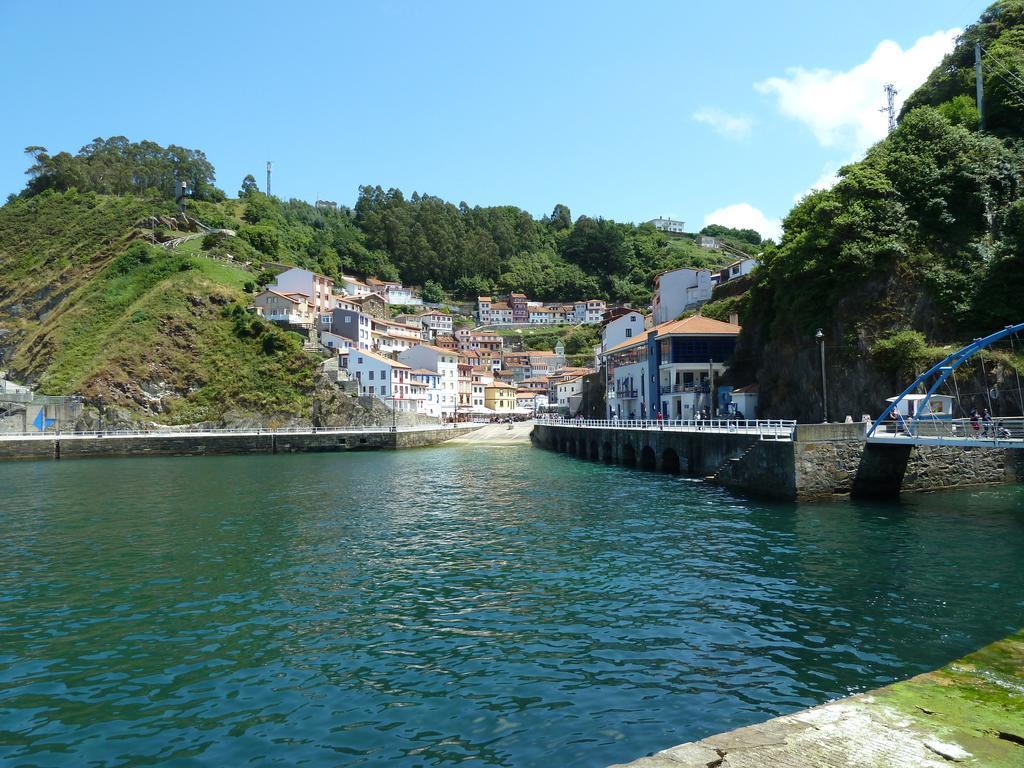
(436, 382)
(298, 293)
(646, 365)
(415, 362)
(517, 309)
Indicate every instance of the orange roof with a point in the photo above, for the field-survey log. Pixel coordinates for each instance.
(375, 356)
(432, 348)
(696, 326)
(404, 326)
(289, 296)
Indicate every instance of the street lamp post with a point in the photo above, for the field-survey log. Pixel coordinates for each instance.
(820, 336)
(394, 420)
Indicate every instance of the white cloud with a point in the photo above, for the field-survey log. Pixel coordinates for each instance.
(745, 216)
(828, 179)
(842, 108)
(734, 127)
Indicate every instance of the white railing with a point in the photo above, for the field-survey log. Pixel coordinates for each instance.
(52, 433)
(765, 429)
(955, 431)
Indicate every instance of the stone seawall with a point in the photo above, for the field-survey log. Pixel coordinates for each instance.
(822, 462)
(690, 453)
(213, 444)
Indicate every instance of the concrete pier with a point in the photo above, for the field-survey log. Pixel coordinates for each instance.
(970, 712)
(219, 443)
(818, 462)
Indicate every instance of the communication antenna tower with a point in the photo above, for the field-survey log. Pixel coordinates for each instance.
(269, 164)
(890, 108)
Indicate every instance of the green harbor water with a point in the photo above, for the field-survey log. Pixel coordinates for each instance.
(495, 606)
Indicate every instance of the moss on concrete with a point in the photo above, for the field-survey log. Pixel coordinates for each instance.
(976, 702)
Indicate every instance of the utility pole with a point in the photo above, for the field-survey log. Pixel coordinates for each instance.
(269, 164)
(711, 388)
(979, 86)
(820, 336)
(890, 108)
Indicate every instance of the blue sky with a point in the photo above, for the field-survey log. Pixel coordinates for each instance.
(627, 111)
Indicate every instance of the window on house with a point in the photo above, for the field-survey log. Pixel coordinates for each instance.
(371, 375)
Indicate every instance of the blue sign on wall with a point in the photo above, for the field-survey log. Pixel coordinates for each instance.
(42, 423)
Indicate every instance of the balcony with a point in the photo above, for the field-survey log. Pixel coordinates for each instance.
(670, 389)
(626, 394)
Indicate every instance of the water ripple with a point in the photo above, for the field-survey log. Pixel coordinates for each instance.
(505, 607)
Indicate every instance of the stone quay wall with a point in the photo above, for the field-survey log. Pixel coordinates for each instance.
(690, 453)
(214, 444)
(822, 462)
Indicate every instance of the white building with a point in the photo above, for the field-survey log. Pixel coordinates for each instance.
(744, 401)
(678, 290)
(711, 243)
(481, 378)
(352, 286)
(668, 225)
(589, 311)
(532, 401)
(430, 392)
(393, 292)
(738, 269)
(380, 377)
(291, 308)
(318, 288)
(616, 331)
(437, 323)
(389, 337)
(445, 362)
(569, 394)
(336, 343)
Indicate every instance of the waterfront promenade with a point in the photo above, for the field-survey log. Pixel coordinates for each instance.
(970, 712)
(196, 442)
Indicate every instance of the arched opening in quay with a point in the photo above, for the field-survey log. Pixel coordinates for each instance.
(648, 458)
(606, 453)
(628, 455)
(594, 452)
(670, 461)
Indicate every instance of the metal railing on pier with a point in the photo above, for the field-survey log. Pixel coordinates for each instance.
(765, 429)
(1000, 433)
(50, 434)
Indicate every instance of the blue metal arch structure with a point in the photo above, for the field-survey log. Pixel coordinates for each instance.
(942, 371)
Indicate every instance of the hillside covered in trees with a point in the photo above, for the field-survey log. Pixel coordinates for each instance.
(919, 244)
(419, 239)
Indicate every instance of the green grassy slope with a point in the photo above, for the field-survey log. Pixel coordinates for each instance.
(89, 311)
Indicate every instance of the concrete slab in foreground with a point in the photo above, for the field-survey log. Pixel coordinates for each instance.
(969, 713)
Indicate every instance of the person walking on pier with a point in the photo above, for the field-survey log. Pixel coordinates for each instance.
(661, 421)
(975, 426)
(986, 421)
